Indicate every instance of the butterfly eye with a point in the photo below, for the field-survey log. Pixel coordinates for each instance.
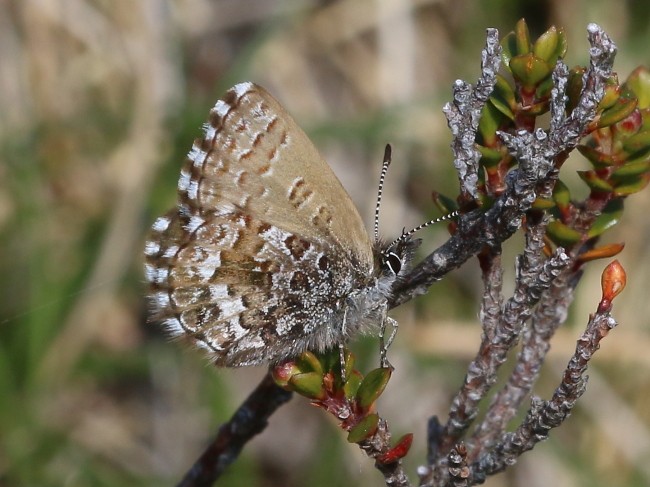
(393, 261)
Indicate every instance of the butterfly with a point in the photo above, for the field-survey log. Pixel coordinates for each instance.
(265, 255)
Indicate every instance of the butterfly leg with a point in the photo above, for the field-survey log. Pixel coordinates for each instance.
(342, 359)
(342, 345)
(385, 344)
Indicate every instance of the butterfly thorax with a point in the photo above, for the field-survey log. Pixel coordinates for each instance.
(367, 306)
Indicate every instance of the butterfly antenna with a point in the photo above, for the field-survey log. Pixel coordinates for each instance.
(443, 218)
(382, 177)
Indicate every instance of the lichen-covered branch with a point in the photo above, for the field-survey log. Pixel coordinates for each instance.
(546, 415)
(538, 155)
(375, 447)
(543, 286)
(464, 112)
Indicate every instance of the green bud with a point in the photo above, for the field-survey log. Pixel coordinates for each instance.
(546, 45)
(309, 384)
(530, 70)
(522, 37)
(639, 83)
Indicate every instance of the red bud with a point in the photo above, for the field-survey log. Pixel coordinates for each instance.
(612, 283)
(398, 451)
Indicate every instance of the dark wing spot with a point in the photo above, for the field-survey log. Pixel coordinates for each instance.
(258, 139)
(299, 282)
(297, 246)
(242, 178)
(242, 126)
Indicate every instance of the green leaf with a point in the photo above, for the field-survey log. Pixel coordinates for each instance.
(543, 204)
(562, 46)
(561, 194)
(352, 385)
(444, 203)
(349, 363)
(574, 87)
(364, 429)
(610, 217)
(330, 360)
(544, 90)
(633, 186)
(308, 362)
(645, 118)
(522, 37)
(562, 235)
(595, 182)
(611, 95)
(372, 386)
(622, 108)
(638, 82)
(537, 108)
(545, 46)
(309, 385)
(597, 158)
(639, 142)
(491, 120)
(508, 48)
(529, 69)
(503, 97)
(631, 170)
(489, 157)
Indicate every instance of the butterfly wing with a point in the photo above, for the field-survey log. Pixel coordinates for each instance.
(256, 262)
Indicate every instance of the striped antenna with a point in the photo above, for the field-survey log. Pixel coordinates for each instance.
(443, 218)
(384, 170)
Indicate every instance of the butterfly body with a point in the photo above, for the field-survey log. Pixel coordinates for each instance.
(265, 255)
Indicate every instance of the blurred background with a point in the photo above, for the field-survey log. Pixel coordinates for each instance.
(99, 102)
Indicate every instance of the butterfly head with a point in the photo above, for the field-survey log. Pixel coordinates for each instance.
(395, 258)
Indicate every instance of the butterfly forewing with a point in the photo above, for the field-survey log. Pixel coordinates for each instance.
(265, 245)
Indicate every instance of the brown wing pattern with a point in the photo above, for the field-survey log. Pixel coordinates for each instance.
(256, 262)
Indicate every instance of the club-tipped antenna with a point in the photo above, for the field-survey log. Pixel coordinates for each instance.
(382, 176)
(443, 218)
